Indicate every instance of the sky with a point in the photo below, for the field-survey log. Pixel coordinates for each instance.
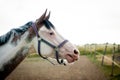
(79, 21)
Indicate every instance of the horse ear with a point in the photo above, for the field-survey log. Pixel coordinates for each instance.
(42, 17)
(48, 16)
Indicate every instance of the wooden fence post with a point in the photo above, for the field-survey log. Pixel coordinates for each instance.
(90, 49)
(113, 56)
(104, 53)
(95, 51)
(118, 47)
(85, 49)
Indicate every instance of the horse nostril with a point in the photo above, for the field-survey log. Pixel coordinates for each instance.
(76, 52)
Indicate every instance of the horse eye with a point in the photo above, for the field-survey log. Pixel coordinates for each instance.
(51, 33)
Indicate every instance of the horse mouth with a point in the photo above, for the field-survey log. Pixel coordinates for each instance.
(71, 58)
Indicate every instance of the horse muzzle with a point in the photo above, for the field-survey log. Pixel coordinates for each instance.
(72, 57)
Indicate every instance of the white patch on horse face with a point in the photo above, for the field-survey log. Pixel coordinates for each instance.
(51, 35)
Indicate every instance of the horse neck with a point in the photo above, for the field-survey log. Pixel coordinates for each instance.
(11, 55)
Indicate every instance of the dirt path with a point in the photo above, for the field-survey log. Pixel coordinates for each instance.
(35, 69)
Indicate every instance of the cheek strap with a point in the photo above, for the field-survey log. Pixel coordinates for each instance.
(56, 48)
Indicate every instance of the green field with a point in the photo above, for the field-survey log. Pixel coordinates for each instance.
(92, 50)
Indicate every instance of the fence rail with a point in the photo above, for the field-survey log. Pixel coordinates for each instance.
(109, 59)
(114, 48)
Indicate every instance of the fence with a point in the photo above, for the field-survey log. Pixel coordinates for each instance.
(113, 48)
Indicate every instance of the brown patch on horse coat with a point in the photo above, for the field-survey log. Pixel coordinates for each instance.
(16, 37)
(13, 63)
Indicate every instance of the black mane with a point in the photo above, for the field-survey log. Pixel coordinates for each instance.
(5, 38)
(22, 29)
(48, 24)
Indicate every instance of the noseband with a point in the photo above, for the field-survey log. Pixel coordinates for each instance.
(56, 48)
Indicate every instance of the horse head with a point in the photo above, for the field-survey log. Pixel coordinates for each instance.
(51, 43)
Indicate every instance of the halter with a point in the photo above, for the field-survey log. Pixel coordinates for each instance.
(56, 48)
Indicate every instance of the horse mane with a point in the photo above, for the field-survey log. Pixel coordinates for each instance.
(19, 31)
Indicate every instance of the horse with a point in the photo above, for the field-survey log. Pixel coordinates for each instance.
(15, 44)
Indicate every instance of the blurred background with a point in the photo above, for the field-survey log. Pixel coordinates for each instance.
(92, 25)
(80, 21)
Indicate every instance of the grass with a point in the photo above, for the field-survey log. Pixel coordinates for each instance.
(33, 55)
(107, 69)
(90, 48)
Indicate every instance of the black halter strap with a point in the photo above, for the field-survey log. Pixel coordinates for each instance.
(56, 48)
